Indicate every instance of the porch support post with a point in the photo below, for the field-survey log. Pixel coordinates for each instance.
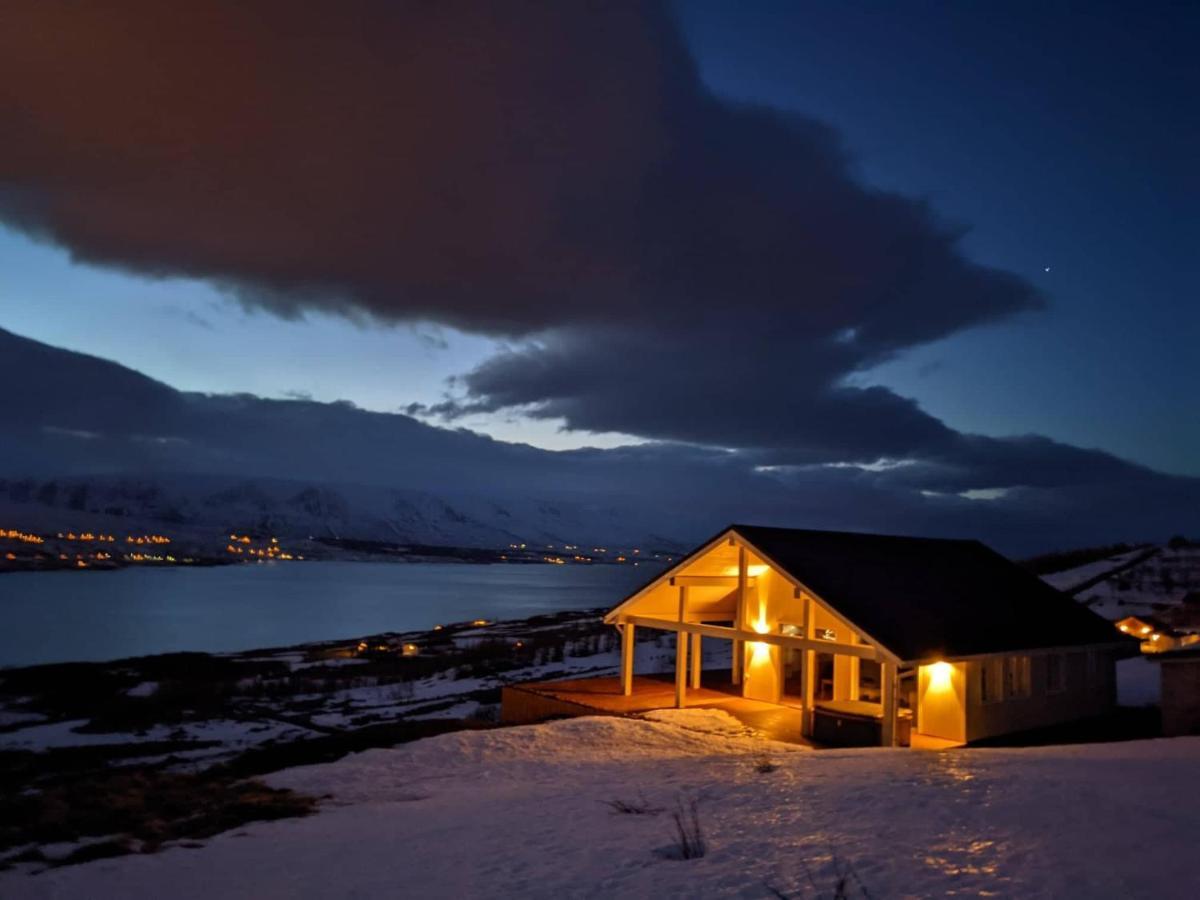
(887, 672)
(628, 648)
(681, 642)
(739, 620)
(697, 659)
(810, 664)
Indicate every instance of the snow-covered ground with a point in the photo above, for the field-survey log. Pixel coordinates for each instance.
(524, 812)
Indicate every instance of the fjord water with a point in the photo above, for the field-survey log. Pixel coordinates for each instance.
(64, 616)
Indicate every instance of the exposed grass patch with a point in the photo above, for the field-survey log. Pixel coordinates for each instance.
(843, 884)
(639, 807)
(689, 836)
(330, 747)
(138, 807)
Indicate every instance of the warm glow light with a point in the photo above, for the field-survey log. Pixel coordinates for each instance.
(760, 653)
(1124, 628)
(940, 675)
(751, 571)
(1145, 629)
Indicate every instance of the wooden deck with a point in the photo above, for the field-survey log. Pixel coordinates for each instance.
(538, 701)
(591, 696)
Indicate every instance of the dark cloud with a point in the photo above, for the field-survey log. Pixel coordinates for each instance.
(668, 264)
(503, 170)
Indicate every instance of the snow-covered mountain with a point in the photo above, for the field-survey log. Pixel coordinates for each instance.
(203, 510)
(88, 437)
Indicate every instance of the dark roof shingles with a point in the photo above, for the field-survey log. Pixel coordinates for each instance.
(924, 598)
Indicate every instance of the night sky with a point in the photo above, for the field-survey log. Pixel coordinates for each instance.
(927, 252)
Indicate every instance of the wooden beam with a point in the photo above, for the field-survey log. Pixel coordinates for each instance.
(862, 651)
(681, 643)
(704, 581)
(617, 615)
(808, 672)
(628, 650)
(739, 619)
(696, 659)
(887, 673)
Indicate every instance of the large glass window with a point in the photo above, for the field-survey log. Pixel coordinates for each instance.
(824, 685)
(793, 672)
(870, 682)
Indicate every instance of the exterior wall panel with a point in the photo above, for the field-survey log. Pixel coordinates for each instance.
(1089, 690)
(1181, 697)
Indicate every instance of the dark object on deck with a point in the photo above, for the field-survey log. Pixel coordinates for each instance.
(854, 723)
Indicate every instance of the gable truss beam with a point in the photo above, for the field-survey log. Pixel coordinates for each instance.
(706, 580)
(862, 651)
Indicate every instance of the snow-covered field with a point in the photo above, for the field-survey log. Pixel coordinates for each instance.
(523, 812)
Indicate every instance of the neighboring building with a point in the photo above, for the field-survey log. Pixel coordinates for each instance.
(1180, 691)
(872, 637)
(1156, 634)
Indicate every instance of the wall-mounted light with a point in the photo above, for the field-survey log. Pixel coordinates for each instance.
(941, 675)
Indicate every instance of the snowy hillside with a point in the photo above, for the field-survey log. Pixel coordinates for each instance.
(528, 812)
(1152, 581)
(205, 509)
(1145, 581)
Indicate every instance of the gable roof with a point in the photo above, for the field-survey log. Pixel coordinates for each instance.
(925, 598)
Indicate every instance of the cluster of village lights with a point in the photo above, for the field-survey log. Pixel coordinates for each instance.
(88, 537)
(560, 560)
(24, 537)
(241, 545)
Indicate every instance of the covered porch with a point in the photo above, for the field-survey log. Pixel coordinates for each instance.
(604, 695)
(788, 648)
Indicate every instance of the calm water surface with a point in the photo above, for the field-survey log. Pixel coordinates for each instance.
(60, 616)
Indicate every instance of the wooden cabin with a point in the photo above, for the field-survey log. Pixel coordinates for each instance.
(872, 639)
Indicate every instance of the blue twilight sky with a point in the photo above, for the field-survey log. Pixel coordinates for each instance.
(1063, 135)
